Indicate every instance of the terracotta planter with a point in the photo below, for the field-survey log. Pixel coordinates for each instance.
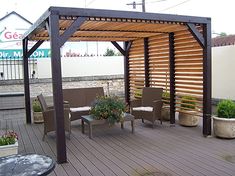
(189, 120)
(223, 127)
(7, 150)
(38, 117)
(165, 113)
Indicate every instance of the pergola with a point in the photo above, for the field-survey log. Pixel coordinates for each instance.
(168, 51)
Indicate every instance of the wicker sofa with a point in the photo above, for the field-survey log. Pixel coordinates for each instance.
(80, 100)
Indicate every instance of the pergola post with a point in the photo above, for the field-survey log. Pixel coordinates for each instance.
(172, 77)
(26, 81)
(146, 62)
(207, 80)
(57, 87)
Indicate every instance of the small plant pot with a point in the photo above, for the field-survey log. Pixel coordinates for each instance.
(165, 113)
(189, 118)
(224, 127)
(38, 117)
(7, 150)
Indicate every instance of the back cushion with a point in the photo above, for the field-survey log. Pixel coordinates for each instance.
(75, 97)
(150, 94)
(79, 97)
(92, 93)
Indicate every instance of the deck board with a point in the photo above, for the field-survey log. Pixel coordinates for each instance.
(163, 150)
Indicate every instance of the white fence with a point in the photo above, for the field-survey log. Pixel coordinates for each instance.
(223, 72)
(83, 66)
(223, 69)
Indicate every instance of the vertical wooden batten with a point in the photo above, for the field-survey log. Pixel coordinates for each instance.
(172, 77)
(57, 87)
(146, 62)
(126, 72)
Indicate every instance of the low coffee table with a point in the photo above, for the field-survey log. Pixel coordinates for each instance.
(91, 121)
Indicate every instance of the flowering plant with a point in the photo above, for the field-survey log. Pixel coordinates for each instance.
(10, 137)
(108, 107)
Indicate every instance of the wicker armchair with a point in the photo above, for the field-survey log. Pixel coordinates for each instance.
(149, 106)
(48, 116)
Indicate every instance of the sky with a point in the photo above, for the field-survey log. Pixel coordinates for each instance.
(221, 12)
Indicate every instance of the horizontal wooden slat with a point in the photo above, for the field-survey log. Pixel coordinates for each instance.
(185, 52)
(136, 56)
(188, 61)
(188, 82)
(188, 91)
(197, 56)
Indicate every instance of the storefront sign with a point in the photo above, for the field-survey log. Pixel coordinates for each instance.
(18, 53)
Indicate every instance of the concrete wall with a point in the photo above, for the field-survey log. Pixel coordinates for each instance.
(223, 72)
(83, 66)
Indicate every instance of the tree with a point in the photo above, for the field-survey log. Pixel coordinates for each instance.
(109, 52)
(223, 34)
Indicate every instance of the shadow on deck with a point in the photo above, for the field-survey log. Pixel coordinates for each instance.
(161, 151)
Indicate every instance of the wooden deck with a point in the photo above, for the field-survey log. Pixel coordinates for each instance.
(161, 151)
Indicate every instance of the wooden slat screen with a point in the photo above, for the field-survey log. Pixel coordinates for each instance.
(188, 69)
(136, 68)
(159, 62)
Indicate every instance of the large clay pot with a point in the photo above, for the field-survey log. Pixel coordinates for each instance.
(223, 127)
(38, 117)
(189, 118)
(165, 113)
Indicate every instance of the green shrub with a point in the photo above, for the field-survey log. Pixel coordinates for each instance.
(188, 102)
(108, 107)
(166, 97)
(138, 93)
(10, 137)
(226, 109)
(36, 106)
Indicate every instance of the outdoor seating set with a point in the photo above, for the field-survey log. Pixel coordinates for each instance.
(78, 102)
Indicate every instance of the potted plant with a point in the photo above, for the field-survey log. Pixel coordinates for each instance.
(138, 93)
(8, 143)
(37, 112)
(224, 123)
(166, 106)
(108, 107)
(188, 115)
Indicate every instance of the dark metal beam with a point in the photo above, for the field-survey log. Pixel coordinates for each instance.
(196, 34)
(57, 88)
(146, 61)
(65, 11)
(129, 46)
(126, 72)
(118, 47)
(72, 28)
(35, 46)
(123, 31)
(207, 80)
(26, 81)
(40, 23)
(172, 77)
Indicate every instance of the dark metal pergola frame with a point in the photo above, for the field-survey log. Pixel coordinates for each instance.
(50, 21)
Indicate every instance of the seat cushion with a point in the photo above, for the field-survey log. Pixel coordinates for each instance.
(84, 108)
(143, 108)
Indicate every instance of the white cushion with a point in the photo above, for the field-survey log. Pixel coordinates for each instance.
(84, 108)
(143, 108)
